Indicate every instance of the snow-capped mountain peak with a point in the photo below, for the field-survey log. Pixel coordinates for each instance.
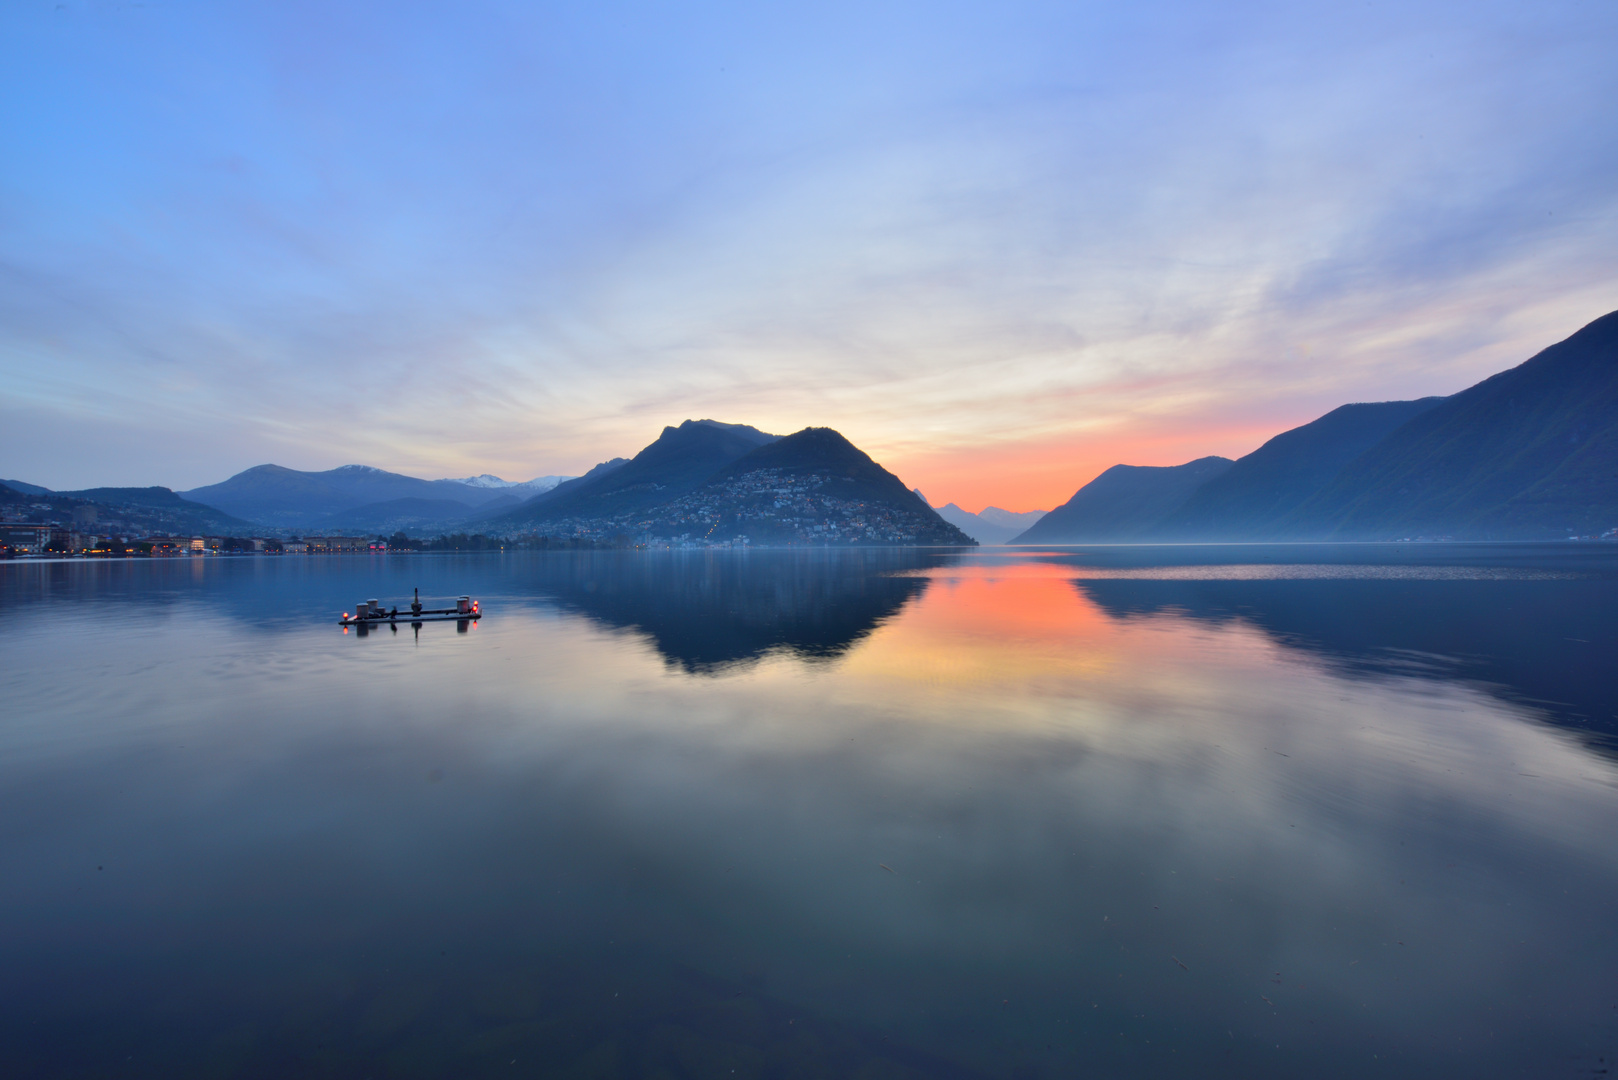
(484, 481)
(528, 488)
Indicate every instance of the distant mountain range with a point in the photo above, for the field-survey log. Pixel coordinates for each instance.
(1531, 453)
(523, 489)
(992, 525)
(359, 497)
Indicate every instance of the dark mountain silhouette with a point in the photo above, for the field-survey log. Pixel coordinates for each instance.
(675, 464)
(1249, 499)
(275, 495)
(824, 452)
(134, 496)
(1123, 504)
(707, 482)
(1530, 452)
(25, 489)
(819, 474)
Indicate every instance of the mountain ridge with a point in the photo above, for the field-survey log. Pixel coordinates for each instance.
(1123, 504)
(276, 496)
(1528, 453)
(678, 461)
(120, 510)
(1249, 498)
(817, 475)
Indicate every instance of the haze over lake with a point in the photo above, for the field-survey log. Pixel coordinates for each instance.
(1319, 811)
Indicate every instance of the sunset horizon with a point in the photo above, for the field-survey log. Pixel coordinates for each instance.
(999, 252)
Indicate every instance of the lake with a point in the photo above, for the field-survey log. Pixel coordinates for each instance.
(1313, 810)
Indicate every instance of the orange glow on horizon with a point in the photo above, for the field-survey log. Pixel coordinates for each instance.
(1043, 473)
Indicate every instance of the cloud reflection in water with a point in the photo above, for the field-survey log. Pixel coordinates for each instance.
(434, 849)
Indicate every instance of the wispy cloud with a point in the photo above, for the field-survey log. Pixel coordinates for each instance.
(1001, 251)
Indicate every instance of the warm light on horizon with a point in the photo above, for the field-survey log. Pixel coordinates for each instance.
(999, 248)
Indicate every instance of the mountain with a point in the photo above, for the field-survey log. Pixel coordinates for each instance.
(289, 498)
(524, 489)
(393, 515)
(824, 453)
(675, 464)
(815, 486)
(125, 511)
(707, 482)
(1248, 500)
(1010, 519)
(565, 488)
(974, 526)
(26, 489)
(992, 526)
(1123, 504)
(1529, 453)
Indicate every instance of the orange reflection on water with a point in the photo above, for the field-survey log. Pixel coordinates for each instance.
(1025, 641)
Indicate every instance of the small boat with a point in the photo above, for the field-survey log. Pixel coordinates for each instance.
(370, 612)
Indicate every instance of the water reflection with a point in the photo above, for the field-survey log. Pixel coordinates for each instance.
(706, 612)
(1545, 644)
(1008, 821)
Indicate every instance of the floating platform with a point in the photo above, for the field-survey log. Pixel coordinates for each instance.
(372, 613)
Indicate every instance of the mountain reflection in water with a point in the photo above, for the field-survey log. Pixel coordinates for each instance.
(1536, 624)
(1253, 813)
(707, 611)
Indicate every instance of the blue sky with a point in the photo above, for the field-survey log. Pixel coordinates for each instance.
(999, 246)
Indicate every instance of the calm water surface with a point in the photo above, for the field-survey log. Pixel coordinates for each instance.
(1303, 811)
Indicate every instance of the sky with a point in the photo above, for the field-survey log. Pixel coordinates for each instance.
(1001, 247)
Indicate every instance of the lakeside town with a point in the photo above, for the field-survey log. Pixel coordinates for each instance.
(41, 530)
(55, 541)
